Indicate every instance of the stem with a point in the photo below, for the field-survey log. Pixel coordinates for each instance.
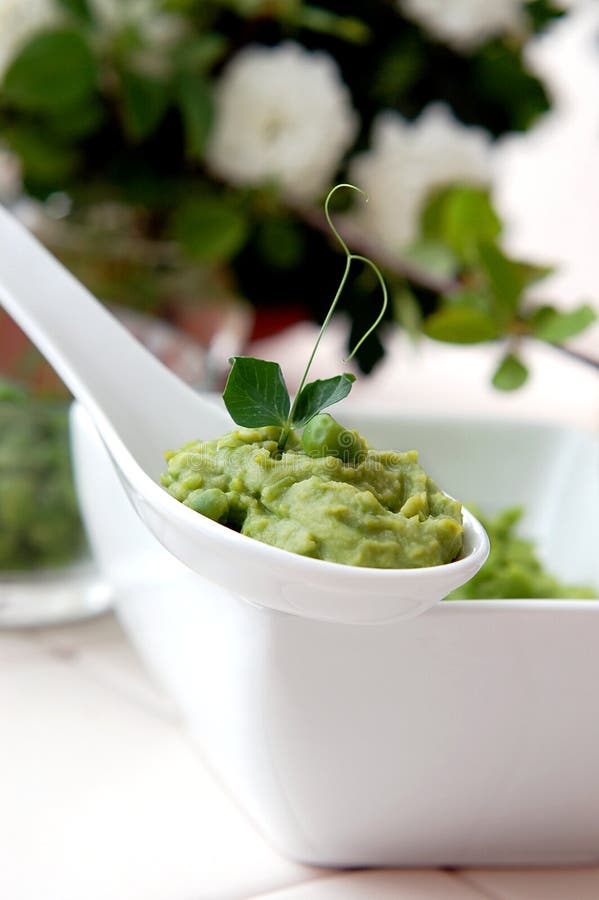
(349, 258)
(323, 328)
(582, 357)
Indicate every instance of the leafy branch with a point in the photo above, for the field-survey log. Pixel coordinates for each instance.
(480, 290)
(488, 300)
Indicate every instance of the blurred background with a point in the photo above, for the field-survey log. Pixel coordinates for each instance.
(175, 155)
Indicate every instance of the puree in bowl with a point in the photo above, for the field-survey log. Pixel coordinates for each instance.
(347, 504)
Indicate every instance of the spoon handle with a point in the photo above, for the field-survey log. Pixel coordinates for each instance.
(113, 375)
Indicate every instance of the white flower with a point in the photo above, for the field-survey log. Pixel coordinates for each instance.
(465, 24)
(282, 114)
(10, 177)
(407, 162)
(19, 20)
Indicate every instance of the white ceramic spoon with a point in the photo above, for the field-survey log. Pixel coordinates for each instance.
(141, 409)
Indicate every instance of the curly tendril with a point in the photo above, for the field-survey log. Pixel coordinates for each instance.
(351, 256)
(348, 261)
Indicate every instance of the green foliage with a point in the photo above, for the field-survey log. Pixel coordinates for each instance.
(511, 373)
(461, 325)
(255, 393)
(81, 121)
(209, 229)
(80, 9)
(551, 325)
(46, 159)
(501, 75)
(320, 394)
(144, 100)
(461, 218)
(506, 278)
(199, 52)
(251, 8)
(280, 242)
(487, 299)
(315, 18)
(542, 12)
(399, 69)
(434, 257)
(194, 98)
(55, 72)
(111, 112)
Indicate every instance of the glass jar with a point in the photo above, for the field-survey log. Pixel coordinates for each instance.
(46, 573)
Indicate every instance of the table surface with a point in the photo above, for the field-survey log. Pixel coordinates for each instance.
(103, 797)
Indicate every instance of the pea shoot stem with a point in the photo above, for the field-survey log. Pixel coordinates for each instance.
(349, 259)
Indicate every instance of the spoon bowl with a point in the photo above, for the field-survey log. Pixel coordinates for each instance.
(140, 409)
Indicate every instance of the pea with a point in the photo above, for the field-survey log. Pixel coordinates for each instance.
(39, 519)
(324, 436)
(212, 503)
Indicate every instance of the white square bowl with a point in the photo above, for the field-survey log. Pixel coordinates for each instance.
(466, 736)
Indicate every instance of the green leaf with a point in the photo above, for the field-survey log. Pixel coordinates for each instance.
(317, 395)
(78, 122)
(549, 324)
(432, 257)
(433, 214)
(461, 325)
(248, 8)
(144, 101)
(78, 8)
(541, 12)
(513, 97)
(315, 18)
(281, 242)
(511, 373)
(209, 229)
(471, 298)
(201, 52)
(507, 278)
(538, 316)
(255, 393)
(197, 112)
(536, 273)
(469, 220)
(54, 71)
(462, 218)
(47, 163)
(398, 69)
